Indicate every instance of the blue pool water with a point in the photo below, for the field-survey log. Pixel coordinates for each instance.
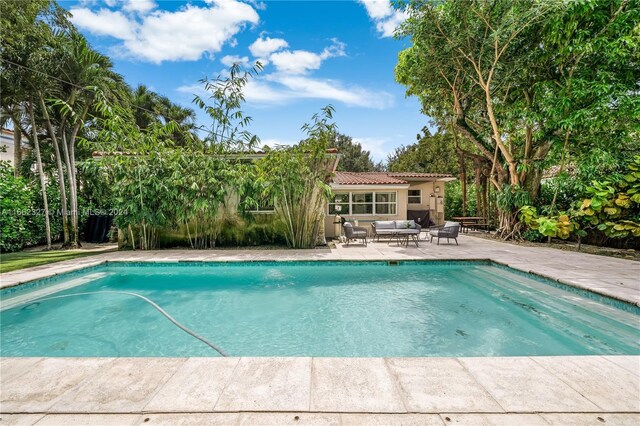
(312, 309)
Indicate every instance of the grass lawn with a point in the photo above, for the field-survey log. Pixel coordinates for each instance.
(27, 259)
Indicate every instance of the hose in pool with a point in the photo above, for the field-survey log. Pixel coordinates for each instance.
(149, 301)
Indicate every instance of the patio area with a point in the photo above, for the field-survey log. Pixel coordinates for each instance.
(270, 390)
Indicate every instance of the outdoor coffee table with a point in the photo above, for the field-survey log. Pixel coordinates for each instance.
(402, 236)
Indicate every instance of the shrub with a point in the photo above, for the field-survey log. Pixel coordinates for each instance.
(17, 207)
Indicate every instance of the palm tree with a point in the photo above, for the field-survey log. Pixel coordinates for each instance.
(90, 84)
(150, 108)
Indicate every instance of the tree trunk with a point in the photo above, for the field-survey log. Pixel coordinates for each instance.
(43, 183)
(73, 241)
(61, 183)
(73, 177)
(17, 147)
(463, 183)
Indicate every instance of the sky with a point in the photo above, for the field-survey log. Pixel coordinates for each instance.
(314, 53)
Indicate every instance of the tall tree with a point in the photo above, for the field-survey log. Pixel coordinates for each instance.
(500, 71)
(27, 31)
(431, 154)
(353, 158)
(152, 108)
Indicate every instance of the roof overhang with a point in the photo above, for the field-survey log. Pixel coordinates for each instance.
(369, 186)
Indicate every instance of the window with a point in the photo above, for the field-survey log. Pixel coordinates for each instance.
(363, 203)
(386, 203)
(415, 196)
(339, 204)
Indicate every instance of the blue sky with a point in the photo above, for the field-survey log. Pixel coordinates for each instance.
(316, 53)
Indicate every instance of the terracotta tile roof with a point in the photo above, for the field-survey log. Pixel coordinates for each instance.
(373, 178)
(380, 178)
(419, 175)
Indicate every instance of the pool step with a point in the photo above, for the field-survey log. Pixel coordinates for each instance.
(37, 294)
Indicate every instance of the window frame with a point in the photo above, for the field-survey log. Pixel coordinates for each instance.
(373, 203)
(414, 196)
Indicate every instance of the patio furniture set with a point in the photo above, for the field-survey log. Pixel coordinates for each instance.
(402, 231)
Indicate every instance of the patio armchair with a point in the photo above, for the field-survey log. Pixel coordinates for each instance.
(354, 233)
(449, 231)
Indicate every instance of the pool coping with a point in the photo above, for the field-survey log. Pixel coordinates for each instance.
(483, 386)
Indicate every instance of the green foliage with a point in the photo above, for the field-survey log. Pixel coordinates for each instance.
(453, 200)
(613, 207)
(295, 180)
(16, 201)
(431, 154)
(22, 213)
(512, 198)
(352, 157)
(526, 81)
(560, 226)
(223, 104)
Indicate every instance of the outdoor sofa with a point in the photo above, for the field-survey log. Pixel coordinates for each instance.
(396, 229)
(449, 231)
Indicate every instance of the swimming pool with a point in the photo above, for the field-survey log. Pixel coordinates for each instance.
(342, 309)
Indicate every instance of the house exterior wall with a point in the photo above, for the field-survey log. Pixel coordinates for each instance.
(7, 146)
(367, 219)
(434, 204)
(6, 149)
(430, 199)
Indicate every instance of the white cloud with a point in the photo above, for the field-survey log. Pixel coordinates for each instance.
(263, 47)
(140, 6)
(331, 90)
(386, 18)
(229, 60)
(104, 22)
(282, 89)
(290, 80)
(184, 34)
(302, 61)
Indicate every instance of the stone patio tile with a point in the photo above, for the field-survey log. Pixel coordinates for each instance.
(252, 419)
(13, 367)
(124, 386)
(89, 419)
(604, 383)
(520, 384)
(189, 419)
(354, 385)
(391, 420)
(39, 388)
(436, 385)
(195, 386)
(629, 362)
(268, 384)
(581, 419)
(493, 419)
(19, 419)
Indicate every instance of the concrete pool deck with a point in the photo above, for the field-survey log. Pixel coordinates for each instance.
(439, 391)
(515, 390)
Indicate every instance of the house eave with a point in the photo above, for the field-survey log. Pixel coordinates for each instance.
(369, 186)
